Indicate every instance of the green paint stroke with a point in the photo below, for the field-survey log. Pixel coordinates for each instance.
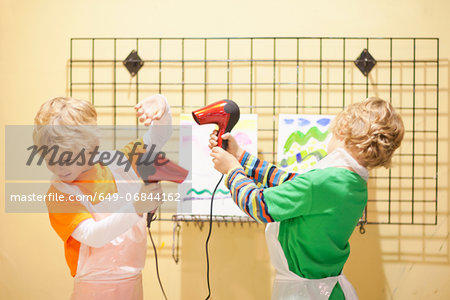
(207, 191)
(301, 139)
(318, 154)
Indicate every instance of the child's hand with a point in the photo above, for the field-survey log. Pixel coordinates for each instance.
(151, 108)
(223, 161)
(233, 147)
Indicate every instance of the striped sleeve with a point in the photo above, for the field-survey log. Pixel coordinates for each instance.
(290, 199)
(247, 195)
(263, 172)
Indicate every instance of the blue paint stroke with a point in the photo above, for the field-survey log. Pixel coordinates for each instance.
(324, 121)
(303, 122)
(288, 121)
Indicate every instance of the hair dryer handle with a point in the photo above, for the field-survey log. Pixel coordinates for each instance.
(224, 144)
(220, 142)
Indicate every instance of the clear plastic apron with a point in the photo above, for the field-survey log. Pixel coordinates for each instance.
(288, 285)
(114, 270)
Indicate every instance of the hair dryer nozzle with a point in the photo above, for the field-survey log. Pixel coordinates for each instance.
(161, 169)
(224, 113)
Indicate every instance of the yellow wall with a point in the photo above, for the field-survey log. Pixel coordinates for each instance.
(388, 262)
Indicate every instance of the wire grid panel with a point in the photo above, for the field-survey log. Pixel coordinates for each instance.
(269, 76)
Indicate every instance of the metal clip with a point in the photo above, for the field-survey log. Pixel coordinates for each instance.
(176, 243)
(362, 230)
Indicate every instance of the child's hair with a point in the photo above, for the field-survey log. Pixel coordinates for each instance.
(68, 123)
(66, 111)
(372, 130)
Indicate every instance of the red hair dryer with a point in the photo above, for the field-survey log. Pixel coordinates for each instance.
(224, 113)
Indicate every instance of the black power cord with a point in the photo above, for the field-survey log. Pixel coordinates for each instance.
(151, 217)
(209, 235)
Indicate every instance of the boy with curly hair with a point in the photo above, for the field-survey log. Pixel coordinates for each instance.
(313, 215)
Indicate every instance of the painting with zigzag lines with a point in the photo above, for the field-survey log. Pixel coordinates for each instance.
(302, 141)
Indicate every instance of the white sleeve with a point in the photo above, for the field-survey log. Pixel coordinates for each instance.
(160, 131)
(97, 234)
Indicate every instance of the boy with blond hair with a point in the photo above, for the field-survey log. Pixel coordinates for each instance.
(312, 215)
(104, 241)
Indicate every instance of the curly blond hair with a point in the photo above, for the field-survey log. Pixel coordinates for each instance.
(67, 122)
(371, 130)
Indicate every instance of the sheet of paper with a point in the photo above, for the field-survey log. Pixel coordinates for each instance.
(302, 141)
